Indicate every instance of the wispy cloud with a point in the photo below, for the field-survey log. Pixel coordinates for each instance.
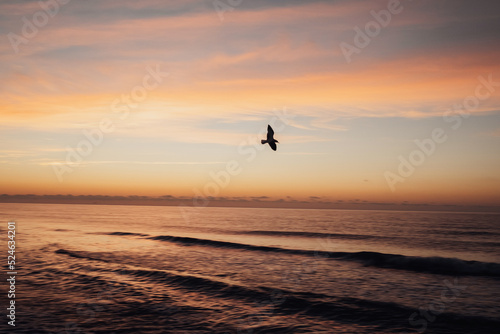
(305, 153)
(112, 162)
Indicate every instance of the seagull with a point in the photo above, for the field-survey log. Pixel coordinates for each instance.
(270, 138)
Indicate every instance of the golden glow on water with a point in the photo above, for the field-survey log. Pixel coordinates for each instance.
(154, 263)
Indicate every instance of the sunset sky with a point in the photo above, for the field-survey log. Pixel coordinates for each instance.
(343, 118)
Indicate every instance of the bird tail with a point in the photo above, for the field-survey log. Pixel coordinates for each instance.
(262, 141)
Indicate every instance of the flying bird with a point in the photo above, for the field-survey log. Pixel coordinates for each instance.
(270, 138)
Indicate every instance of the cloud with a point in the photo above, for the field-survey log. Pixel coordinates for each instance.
(304, 153)
(134, 162)
(495, 133)
(263, 55)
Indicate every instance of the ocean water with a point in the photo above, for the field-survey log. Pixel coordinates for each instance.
(140, 269)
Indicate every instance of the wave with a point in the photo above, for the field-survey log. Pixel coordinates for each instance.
(375, 237)
(120, 233)
(472, 233)
(200, 284)
(432, 265)
(128, 233)
(287, 300)
(315, 235)
(463, 232)
(383, 315)
(79, 255)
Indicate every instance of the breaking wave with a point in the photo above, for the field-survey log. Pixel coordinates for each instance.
(432, 265)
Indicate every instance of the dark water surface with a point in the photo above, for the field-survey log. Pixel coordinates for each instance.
(133, 269)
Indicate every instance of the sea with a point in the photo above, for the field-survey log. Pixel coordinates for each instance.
(170, 269)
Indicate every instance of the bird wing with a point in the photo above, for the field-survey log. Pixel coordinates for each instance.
(270, 132)
(273, 145)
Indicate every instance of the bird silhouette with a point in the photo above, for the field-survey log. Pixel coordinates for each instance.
(270, 138)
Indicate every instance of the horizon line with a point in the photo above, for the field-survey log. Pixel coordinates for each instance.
(244, 202)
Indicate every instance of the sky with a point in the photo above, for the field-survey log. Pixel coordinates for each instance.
(382, 101)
